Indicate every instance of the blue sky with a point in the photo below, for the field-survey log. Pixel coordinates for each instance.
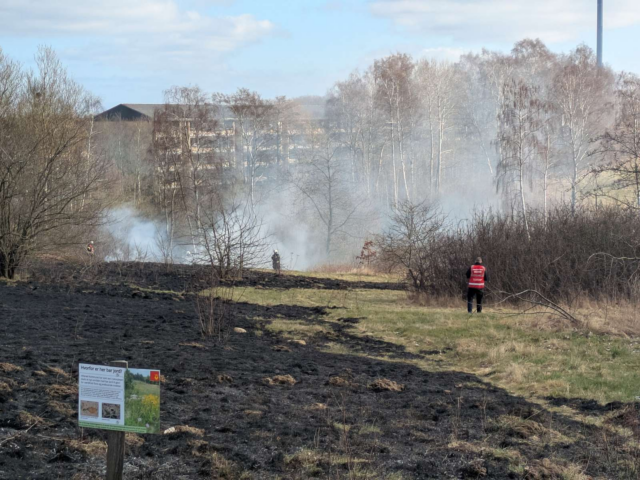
(129, 51)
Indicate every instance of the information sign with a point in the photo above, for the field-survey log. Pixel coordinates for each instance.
(116, 398)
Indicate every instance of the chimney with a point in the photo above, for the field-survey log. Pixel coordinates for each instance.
(600, 15)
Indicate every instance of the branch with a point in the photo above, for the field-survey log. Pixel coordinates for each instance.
(541, 301)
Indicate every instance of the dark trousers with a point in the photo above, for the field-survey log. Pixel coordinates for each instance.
(474, 292)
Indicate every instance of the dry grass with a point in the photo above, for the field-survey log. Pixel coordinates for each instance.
(528, 355)
(279, 380)
(554, 469)
(339, 382)
(26, 419)
(192, 344)
(133, 439)
(530, 430)
(58, 371)
(62, 390)
(224, 468)
(224, 378)
(385, 385)
(61, 408)
(9, 368)
(93, 448)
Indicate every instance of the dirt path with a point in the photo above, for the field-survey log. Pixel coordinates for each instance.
(441, 425)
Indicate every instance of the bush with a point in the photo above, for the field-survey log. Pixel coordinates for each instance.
(592, 253)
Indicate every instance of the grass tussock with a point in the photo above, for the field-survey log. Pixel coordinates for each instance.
(26, 419)
(92, 448)
(385, 385)
(61, 408)
(58, 371)
(279, 380)
(9, 368)
(62, 390)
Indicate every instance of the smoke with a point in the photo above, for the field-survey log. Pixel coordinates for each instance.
(131, 237)
(299, 244)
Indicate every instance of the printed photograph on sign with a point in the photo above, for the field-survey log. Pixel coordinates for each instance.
(89, 409)
(111, 411)
(142, 399)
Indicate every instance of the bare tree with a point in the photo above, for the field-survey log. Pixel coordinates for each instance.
(322, 183)
(441, 98)
(394, 93)
(580, 90)
(253, 116)
(521, 121)
(232, 237)
(622, 144)
(49, 185)
(409, 242)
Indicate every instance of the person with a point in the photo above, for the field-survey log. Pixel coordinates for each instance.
(477, 276)
(275, 259)
(90, 248)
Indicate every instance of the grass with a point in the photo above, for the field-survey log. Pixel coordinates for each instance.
(143, 409)
(515, 352)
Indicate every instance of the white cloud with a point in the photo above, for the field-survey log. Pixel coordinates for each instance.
(153, 33)
(505, 20)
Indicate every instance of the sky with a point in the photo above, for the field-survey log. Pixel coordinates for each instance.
(130, 51)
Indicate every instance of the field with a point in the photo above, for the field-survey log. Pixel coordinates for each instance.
(337, 376)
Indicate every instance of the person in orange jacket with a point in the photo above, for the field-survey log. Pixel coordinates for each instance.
(476, 277)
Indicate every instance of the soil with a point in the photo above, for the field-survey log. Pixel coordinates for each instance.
(226, 421)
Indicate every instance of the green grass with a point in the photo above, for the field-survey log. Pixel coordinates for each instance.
(145, 409)
(501, 347)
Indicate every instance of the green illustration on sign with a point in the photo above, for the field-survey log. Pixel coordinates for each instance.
(114, 398)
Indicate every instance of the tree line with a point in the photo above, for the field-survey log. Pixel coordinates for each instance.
(527, 132)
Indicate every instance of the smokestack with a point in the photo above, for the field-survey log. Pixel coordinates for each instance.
(600, 15)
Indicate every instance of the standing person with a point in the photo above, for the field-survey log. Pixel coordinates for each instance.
(275, 260)
(476, 275)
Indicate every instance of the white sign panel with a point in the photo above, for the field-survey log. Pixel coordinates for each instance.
(118, 398)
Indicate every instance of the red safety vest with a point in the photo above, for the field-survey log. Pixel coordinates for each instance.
(476, 280)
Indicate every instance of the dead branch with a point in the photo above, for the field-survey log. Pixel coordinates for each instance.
(540, 301)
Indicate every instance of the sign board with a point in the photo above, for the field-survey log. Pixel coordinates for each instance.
(116, 398)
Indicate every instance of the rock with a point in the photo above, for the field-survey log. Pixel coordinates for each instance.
(299, 342)
(239, 330)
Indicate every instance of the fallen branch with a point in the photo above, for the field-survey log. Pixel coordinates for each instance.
(537, 299)
(22, 432)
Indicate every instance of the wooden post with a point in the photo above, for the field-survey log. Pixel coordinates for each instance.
(115, 442)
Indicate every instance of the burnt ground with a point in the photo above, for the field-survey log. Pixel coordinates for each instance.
(442, 425)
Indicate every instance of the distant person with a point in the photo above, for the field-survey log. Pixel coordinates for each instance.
(476, 275)
(275, 260)
(90, 248)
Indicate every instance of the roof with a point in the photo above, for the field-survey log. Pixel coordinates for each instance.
(146, 111)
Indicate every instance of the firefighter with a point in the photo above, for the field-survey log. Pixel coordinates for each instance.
(476, 276)
(275, 260)
(90, 248)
